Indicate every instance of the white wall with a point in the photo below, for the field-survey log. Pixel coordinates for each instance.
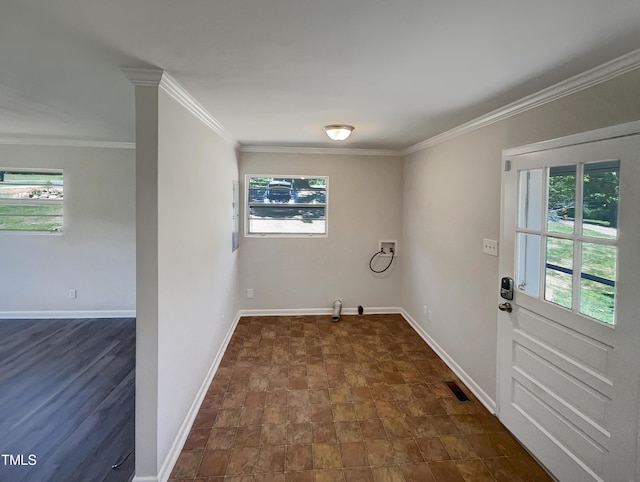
(365, 205)
(186, 271)
(452, 202)
(196, 270)
(96, 253)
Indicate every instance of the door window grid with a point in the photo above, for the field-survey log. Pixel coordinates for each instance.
(534, 268)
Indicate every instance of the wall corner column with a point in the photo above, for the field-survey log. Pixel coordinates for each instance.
(146, 82)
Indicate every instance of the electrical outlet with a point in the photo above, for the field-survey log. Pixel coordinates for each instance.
(250, 293)
(490, 246)
(73, 294)
(429, 313)
(424, 310)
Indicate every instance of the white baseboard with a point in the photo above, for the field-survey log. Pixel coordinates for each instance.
(185, 428)
(319, 311)
(480, 394)
(37, 315)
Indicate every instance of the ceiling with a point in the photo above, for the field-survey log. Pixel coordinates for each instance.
(274, 72)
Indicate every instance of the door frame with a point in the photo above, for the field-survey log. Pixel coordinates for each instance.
(506, 259)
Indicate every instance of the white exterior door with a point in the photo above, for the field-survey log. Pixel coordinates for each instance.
(569, 352)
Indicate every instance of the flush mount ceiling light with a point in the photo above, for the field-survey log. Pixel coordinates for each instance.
(338, 132)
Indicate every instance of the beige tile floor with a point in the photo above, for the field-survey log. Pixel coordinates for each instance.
(303, 399)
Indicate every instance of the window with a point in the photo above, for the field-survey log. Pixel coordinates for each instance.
(286, 205)
(31, 200)
(570, 258)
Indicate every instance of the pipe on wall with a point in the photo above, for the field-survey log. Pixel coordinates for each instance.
(337, 309)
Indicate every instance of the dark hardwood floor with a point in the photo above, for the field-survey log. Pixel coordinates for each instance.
(67, 391)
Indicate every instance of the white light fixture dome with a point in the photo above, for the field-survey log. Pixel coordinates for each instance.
(338, 132)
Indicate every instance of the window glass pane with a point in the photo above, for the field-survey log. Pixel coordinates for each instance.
(287, 205)
(559, 271)
(287, 226)
(31, 185)
(25, 217)
(31, 223)
(597, 283)
(599, 260)
(560, 252)
(558, 288)
(530, 199)
(600, 199)
(561, 199)
(528, 267)
(31, 209)
(597, 300)
(286, 212)
(31, 200)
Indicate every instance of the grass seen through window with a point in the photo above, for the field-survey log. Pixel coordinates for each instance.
(31, 200)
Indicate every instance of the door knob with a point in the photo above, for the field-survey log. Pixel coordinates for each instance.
(505, 307)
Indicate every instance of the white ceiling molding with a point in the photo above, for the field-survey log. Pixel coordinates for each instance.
(595, 76)
(160, 78)
(611, 132)
(331, 151)
(180, 95)
(51, 142)
(143, 77)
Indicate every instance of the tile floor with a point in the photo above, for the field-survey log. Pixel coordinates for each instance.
(303, 399)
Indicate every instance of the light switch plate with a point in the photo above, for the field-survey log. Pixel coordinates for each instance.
(490, 246)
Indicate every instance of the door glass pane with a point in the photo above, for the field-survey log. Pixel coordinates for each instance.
(597, 283)
(561, 199)
(559, 271)
(597, 300)
(600, 199)
(528, 268)
(530, 199)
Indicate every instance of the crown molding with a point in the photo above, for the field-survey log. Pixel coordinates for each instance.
(611, 132)
(186, 100)
(590, 78)
(59, 142)
(143, 77)
(332, 151)
(160, 78)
